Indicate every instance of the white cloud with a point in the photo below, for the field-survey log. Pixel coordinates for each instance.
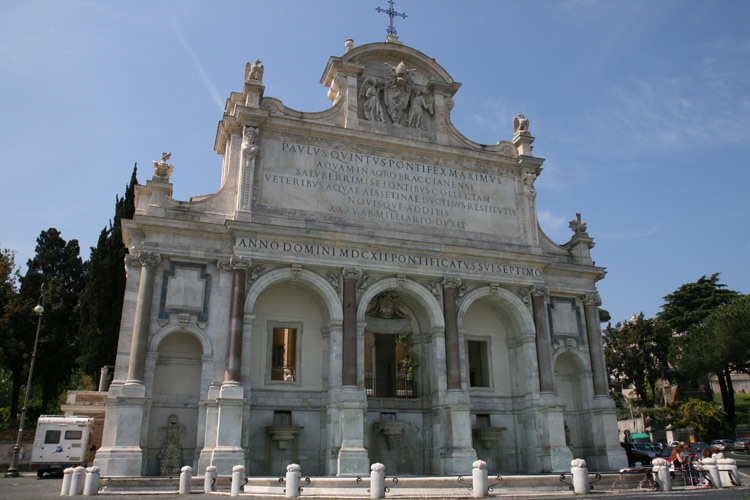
(631, 235)
(551, 223)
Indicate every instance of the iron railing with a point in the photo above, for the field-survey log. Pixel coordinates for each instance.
(390, 388)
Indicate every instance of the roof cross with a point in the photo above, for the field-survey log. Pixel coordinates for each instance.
(391, 13)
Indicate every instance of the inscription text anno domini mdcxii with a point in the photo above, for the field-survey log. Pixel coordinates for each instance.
(361, 186)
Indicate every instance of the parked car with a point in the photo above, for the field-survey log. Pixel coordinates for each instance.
(699, 446)
(741, 444)
(639, 452)
(690, 452)
(723, 444)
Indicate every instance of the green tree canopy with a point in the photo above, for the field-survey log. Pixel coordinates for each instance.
(690, 304)
(708, 421)
(637, 352)
(101, 304)
(14, 343)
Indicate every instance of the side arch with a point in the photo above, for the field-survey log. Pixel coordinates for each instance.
(172, 328)
(413, 289)
(512, 305)
(307, 279)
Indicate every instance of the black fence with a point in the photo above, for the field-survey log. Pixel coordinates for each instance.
(390, 388)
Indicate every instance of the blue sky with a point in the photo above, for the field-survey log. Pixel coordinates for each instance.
(641, 109)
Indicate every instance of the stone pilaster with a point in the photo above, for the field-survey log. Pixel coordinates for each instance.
(543, 339)
(591, 303)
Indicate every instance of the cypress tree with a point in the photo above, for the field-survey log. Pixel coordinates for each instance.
(101, 305)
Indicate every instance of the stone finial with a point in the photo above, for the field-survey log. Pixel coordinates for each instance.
(254, 71)
(578, 226)
(349, 44)
(659, 462)
(162, 169)
(377, 466)
(186, 468)
(578, 462)
(479, 464)
(293, 468)
(520, 125)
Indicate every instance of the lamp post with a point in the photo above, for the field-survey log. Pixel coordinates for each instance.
(13, 469)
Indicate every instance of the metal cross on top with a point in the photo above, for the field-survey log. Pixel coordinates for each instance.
(391, 13)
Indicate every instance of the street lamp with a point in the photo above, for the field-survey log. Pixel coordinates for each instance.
(13, 469)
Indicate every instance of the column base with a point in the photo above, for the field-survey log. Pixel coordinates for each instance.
(226, 457)
(119, 462)
(455, 461)
(353, 462)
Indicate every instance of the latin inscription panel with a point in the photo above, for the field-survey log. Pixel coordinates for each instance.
(364, 188)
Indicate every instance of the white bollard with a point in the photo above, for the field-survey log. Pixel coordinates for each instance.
(479, 482)
(238, 479)
(91, 486)
(713, 471)
(377, 480)
(292, 482)
(661, 471)
(580, 473)
(186, 477)
(726, 467)
(209, 480)
(67, 478)
(76, 484)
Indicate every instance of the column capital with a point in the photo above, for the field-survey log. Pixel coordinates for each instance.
(591, 299)
(539, 291)
(351, 273)
(235, 262)
(451, 282)
(142, 259)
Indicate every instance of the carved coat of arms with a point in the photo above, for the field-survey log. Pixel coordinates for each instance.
(396, 94)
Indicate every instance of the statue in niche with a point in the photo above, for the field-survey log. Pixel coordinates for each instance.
(170, 455)
(528, 184)
(386, 305)
(372, 108)
(520, 125)
(162, 169)
(254, 72)
(396, 92)
(420, 102)
(578, 226)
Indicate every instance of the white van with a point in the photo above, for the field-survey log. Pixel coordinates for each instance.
(60, 442)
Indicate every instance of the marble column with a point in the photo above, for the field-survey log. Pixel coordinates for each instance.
(452, 351)
(136, 363)
(543, 339)
(349, 345)
(236, 317)
(591, 303)
(228, 451)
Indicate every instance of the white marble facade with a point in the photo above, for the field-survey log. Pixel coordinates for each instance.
(367, 285)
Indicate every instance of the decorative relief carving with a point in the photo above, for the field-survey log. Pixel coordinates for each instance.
(183, 318)
(249, 146)
(528, 184)
(254, 71)
(386, 305)
(578, 226)
(336, 92)
(250, 149)
(494, 288)
(335, 280)
(436, 289)
(461, 291)
(296, 270)
(539, 291)
(421, 101)
(370, 92)
(591, 299)
(401, 279)
(253, 274)
(364, 282)
(170, 454)
(523, 294)
(162, 169)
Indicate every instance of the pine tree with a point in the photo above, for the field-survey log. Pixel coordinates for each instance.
(13, 343)
(58, 265)
(101, 305)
